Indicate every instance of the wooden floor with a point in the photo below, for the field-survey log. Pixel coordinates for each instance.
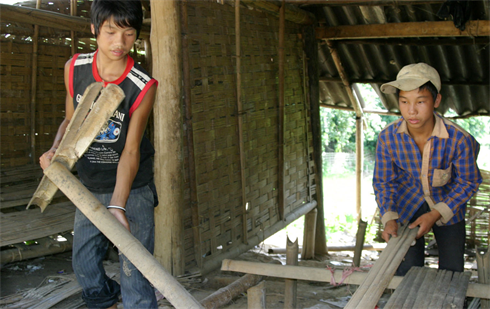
(430, 288)
(19, 224)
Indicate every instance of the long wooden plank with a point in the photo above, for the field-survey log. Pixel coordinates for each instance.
(474, 28)
(31, 224)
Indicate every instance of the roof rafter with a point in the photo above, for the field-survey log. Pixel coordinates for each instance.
(474, 28)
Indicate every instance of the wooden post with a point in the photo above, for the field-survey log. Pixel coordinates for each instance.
(361, 232)
(238, 54)
(290, 285)
(120, 236)
(308, 250)
(166, 51)
(189, 133)
(280, 157)
(256, 296)
(35, 46)
(359, 165)
(73, 12)
(483, 266)
(311, 50)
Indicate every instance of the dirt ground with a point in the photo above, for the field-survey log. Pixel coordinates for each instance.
(35, 279)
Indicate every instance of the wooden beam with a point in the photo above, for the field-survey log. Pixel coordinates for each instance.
(324, 275)
(35, 44)
(458, 41)
(311, 53)
(474, 28)
(292, 13)
(383, 81)
(74, 43)
(280, 144)
(241, 114)
(189, 134)
(10, 13)
(169, 165)
(362, 2)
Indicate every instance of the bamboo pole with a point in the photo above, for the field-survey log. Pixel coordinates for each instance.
(226, 294)
(120, 236)
(241, 114)
(359, 165)
(280, 165)
(167, 53)
(290, 285)
(76, 140)
(256, 296)
(308, 250)
(191, 162)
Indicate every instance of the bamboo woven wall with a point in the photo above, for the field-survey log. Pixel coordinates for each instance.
(215, 125)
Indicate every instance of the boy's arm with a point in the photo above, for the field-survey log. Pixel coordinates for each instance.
(45, 159)
(130, 158)
(385, 187)
(466, 181)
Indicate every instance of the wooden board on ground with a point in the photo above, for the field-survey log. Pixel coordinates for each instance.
(31, 224)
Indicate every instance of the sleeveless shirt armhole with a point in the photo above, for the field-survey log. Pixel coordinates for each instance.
(142, 95)
(72, 71)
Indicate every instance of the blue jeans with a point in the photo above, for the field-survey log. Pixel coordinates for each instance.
(90, 247)
(450, 243)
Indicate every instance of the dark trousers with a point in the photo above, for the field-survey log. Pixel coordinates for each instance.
(450, 242)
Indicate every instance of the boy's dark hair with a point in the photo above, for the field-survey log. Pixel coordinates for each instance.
(427, 86)
(126, 13)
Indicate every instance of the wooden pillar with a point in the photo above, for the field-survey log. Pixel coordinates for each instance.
(240, 115)
(309, 231)
(35, 45)
(189, 133)
(280, 164)
(166, 51)
(311, 50)
(359, 165)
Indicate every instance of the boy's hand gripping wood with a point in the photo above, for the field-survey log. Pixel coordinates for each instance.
(80, 133)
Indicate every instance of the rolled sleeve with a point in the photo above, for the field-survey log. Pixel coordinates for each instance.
(390, 215)
(446, 213)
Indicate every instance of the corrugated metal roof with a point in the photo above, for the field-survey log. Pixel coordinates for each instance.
(463, 63)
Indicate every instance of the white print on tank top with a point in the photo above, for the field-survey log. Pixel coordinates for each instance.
(102, 155)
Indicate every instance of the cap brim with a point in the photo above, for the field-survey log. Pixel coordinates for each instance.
(406, 84)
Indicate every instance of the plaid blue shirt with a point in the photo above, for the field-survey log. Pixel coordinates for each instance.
(446, 176)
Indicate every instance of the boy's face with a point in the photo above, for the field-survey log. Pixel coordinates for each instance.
(417, 108)
(114, 42)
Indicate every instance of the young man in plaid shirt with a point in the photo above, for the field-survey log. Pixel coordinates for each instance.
(425, 170)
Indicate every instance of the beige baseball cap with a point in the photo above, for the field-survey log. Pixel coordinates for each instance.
(413, 76)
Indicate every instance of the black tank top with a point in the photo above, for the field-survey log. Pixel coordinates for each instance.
(97, 168)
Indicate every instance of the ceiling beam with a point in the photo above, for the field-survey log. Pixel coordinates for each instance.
(420, 42)
(380, 81)
(362, 2)
(43, 18)
(474, 28)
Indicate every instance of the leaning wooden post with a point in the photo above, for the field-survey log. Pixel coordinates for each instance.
(166, 51)
(308, 250)
(311, 51)
(290, 285)
(256, 296)
(361, 233)
(120, 236)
